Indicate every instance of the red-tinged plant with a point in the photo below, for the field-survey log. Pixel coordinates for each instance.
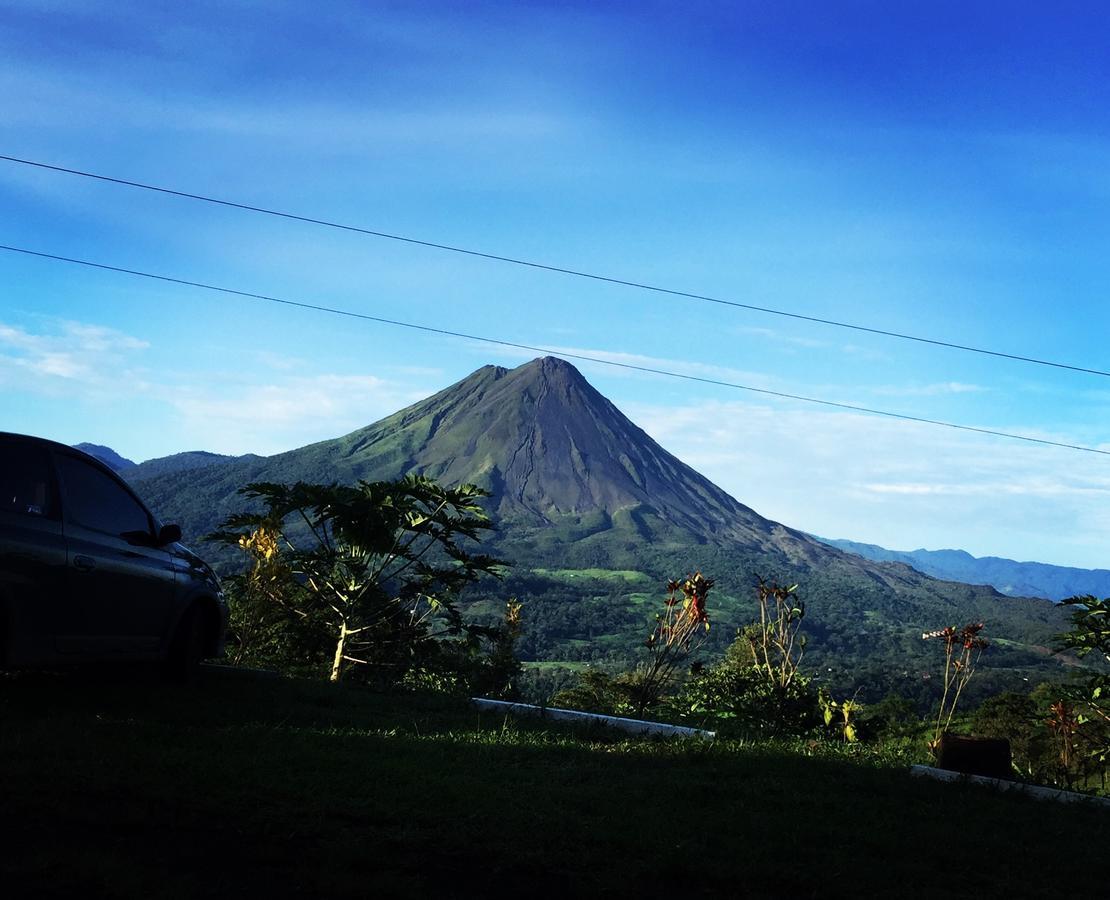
(680, 629)
(1063, 725)
(962, 649)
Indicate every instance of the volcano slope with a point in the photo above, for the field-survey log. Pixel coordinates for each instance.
(595, 516)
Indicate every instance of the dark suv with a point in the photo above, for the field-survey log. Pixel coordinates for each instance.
(88, 574)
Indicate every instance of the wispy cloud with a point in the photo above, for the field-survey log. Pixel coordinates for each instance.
(49, 98)
(277, 406)
(286, 411)
(780, 338)
(69, 352)
(898, 484)
(938, 389)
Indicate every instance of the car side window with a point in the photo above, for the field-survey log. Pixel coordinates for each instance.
(26, 482)
(94, 500)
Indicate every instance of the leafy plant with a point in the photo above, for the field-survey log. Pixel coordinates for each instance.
(481, 660)
(680, 628)
(258, 599)
(737, 695)
(892, 719)
(366, 567)
(1090, 698)
(1017, 718)
(739, 698)
(962, 650)
(839, 716)
(1091, 634)
(775, 641)
(596, 691)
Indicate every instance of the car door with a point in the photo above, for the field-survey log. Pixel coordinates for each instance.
(123, 583)
(32, 555)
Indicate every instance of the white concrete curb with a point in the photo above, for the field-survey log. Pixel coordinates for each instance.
(635, 726)
(1031, 790)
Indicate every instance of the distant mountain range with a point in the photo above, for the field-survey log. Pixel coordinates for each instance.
(162, 465)
(1016, 579)
(595, 516)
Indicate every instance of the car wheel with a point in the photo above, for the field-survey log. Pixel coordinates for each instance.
(187, 647)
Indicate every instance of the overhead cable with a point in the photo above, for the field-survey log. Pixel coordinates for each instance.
(562, 270)
(547, 350)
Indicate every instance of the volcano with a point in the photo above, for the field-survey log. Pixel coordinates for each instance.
(554, 452)
(577, 488)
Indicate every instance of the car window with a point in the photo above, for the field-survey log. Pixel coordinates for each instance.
(26, 482)
(95, 500)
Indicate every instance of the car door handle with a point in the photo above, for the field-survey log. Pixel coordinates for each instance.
(84, 563)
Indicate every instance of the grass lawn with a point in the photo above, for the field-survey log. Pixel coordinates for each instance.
(117, 785)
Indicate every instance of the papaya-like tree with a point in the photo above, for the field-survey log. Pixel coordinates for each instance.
(367, 565)
(1090, 635)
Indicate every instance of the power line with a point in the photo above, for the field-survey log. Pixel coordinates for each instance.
(545, 350)
(562, 270)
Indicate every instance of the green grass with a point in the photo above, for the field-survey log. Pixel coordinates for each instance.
(547, 665)
(622, 576)
(238, 786)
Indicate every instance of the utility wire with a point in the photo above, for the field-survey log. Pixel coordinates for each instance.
(593, 276)
(545, 350)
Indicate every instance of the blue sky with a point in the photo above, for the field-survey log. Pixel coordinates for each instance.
(941, 171)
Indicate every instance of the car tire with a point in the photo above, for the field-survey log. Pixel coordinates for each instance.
(187, 647)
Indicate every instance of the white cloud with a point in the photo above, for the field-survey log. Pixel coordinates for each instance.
(69, 355)
(284, 411)
(902, 485)
(277, 408)
(779, 338)
(908, 488)
(938, 389)
(49, 98)
(287, 411)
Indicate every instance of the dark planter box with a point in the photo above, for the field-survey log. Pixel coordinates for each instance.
(975, 756)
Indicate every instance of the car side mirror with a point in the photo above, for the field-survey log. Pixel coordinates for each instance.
(169, 535)
(138, 538)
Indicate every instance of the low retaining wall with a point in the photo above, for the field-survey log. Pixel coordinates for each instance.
(1031, 790)
(634, 726)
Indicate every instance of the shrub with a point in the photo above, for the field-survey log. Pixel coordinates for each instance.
(894, 718)
(1016, 718)
(597, 692)
(370, 572)
(482, 661)
(737, 695)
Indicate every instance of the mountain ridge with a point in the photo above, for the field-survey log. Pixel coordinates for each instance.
(180, 462)
(107, 455)
(549, 447)
(1008, 576)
